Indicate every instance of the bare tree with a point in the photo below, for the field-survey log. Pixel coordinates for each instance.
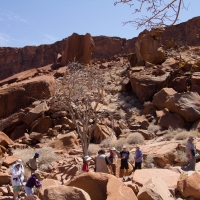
(161, 12)
(81, 91)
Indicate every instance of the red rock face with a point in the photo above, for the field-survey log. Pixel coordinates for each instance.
(78, 48)
(15, 60)
(185, 33)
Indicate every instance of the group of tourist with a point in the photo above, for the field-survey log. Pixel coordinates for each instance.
(103, 163)
(107, 163)
(17, 176)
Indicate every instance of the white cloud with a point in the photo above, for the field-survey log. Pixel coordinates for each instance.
(7, 15)
(4, 39)
(49, 38)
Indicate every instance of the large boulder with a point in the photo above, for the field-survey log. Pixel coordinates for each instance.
(67, 141)
(46, 183)
(5, 140)
(35, 113)
(166, 119)
(9, 160)
(145, 83)
(185, 104)
(63, 192)
(42, 125)
(78, 48)
(102, 186)
(153, 189)
(101, 132)
(4, 178)
(20, 95)
(162, 96)
(169, 177)
(188, 185)
(148, 47)
(162, 153)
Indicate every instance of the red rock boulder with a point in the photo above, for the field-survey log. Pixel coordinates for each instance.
(78, 48)
(101, 186)
(162, 96)
(154, 188)
(22, 94)
(188, 185)
(185, 104)
(166, 119)
(63, 192)
(148, 47)
(145, 83)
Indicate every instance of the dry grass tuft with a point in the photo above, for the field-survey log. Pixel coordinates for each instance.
(93, 149)
(180, 156)
(47, 156)
(154, 128)
(149, 161)
(135, 138)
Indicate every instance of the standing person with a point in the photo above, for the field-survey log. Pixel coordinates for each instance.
(86, 162)
(124, 154)
(103, 162)
(113, 157)
(138, 158)
(16, 174)
(33, 163)
(21, 168)
(32, 181)
(191, 153)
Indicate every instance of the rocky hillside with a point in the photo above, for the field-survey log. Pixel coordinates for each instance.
(15, 60)
(153, 96)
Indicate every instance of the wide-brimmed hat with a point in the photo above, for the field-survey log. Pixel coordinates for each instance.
(192, 137)
(17, 163)
(37, 172)
(87, 158)
(123, 147)
(113, 149)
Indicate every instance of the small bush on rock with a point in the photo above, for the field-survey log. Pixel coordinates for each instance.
(135, 138)
(93, 149)
(119, 143)
(154, 128)
(149, 161)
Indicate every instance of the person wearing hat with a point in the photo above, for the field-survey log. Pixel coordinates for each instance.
(113, 157)
(21, 168)
(103, 163)
(86, 162)
(16, 181)
(33, 163)
(138, 158)
(191, 153)
(32, 181)
(124, 155)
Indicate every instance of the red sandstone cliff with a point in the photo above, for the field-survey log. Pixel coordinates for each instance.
(14, 60)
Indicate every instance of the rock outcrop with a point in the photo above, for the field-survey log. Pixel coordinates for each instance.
(154, 188)
(185, 104)
(148, 47)
(146, 82)
(102, 186)
(188, 185)
(65, 193)
(78, 48)
(22, 94)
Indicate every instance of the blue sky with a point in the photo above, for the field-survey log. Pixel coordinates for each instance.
(35, 22)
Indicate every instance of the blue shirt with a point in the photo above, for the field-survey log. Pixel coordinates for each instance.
(138, 154)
